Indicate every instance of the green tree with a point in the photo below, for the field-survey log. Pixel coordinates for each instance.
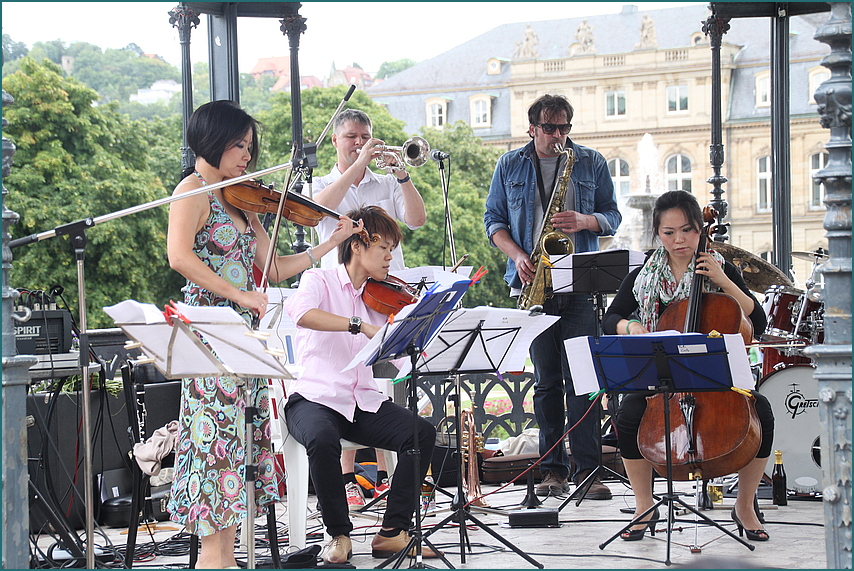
(390, 68)
(116, 74)
(13, 50)
(75, 161)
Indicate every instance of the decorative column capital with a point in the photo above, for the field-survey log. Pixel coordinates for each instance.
(185, 19)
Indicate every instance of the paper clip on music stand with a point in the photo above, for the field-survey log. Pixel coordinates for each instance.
(692, 362)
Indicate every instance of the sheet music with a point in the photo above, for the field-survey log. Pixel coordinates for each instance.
(431, 275)
(178, 352)
(506, 334)
(562, 274)
(276, 317)
(579, 351)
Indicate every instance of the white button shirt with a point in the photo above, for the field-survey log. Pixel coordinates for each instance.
(373, 190)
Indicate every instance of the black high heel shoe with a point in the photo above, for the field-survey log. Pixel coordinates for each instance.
(637, 534)
(752, 534)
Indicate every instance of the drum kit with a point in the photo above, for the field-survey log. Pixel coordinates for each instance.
(795, 321)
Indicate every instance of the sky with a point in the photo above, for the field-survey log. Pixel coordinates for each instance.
(367, 33)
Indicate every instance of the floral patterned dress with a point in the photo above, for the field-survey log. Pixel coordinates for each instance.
(208, 490)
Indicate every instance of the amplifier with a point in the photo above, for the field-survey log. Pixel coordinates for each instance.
(46, 332)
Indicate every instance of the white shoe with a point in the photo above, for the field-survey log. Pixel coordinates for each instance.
(355, 497)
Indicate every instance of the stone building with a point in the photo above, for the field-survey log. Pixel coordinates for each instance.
(640, 83)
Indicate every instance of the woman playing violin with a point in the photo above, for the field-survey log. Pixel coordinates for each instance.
(665, 279)
(214, 245)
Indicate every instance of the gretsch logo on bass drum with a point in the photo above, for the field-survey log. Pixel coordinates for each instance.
(796, 403)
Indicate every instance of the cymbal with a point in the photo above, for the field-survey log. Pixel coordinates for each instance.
(814, 257)
(758, 274)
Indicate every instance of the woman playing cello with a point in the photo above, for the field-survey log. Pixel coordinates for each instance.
(665, 279)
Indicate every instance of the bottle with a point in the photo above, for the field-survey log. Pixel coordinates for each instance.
(428, 499)
(778, 480)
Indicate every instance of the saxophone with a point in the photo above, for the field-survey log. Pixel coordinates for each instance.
(550, 243)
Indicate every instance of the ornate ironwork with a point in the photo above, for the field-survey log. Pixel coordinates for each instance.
(833, 357)
(185, 19)
(715, 27)
(16, 379)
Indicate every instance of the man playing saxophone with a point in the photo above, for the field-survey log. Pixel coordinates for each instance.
(519, 211)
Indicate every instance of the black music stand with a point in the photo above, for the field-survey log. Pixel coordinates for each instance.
(479, 340)
(407, 336)
(597, 274)
(666, 364)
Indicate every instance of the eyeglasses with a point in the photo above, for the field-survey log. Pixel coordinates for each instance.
(549, 128)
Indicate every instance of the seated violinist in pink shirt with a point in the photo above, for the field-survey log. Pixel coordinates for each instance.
(328, 403)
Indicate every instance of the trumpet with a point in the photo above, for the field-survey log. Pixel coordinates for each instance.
(414, 152)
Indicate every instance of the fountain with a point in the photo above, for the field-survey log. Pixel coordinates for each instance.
(637, 226)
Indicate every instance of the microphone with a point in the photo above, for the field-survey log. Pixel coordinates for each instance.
(438, 155)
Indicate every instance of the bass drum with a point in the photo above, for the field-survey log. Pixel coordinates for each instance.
(793, 395)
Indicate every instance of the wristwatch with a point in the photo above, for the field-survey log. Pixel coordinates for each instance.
(355, 325)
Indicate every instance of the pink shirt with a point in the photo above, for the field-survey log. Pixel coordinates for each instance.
(324, 354)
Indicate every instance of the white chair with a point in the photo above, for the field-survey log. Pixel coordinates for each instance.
(296, 466)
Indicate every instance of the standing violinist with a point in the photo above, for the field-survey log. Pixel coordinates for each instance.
(330, 401)
(214, 245)
(351, 184)
(665, 278)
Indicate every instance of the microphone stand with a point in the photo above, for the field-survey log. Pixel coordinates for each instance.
(77, 232)
(448, 222)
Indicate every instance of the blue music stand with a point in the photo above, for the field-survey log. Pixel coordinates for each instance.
(406, 337)
(690, 362)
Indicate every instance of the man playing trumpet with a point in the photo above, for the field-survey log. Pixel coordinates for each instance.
(352, 185)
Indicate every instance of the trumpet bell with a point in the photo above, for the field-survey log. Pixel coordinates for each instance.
(414, 152)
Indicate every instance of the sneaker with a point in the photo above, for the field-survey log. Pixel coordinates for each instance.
(597, 490)
(381, 489)
(553, 484)
(355, 498)
(339, 550)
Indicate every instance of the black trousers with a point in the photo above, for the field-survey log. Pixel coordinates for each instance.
(320, 429)
(633, 406)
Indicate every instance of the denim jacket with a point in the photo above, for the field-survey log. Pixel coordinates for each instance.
(512, 195)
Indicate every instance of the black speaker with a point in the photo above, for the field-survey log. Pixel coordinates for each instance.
(444, 462)
(55, 445)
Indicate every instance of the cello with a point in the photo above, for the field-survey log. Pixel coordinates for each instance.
(712, 434)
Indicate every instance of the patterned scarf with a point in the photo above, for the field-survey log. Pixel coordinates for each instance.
(656, 285)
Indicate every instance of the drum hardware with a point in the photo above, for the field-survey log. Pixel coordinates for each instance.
(793, 395)
(816, 257)
(758, 274)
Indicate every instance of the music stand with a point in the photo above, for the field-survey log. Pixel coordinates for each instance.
(172, 341)
(597, 274)
(480, 340)
(666, 364)
(410, 332)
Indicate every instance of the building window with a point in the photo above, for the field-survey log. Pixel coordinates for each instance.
(677, 98)
(763, 183)
(615, 103)
(763, 89)
(481, 111)
(817, 76)
(437, 112)
(817, 162)
(619, 170)
(679, 173)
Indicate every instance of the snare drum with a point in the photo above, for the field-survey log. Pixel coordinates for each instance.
(793, 393)
(774, 359)
(782, 305)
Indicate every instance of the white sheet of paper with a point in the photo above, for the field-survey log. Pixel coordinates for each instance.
(432, 274)
(177, 352)
(584, 374)
(506, 333)
(276, 317)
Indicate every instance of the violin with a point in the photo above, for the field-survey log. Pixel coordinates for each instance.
(253, 196)
(715, 433)
(388, 296)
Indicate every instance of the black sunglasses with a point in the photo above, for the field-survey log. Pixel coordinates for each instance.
(549, 128)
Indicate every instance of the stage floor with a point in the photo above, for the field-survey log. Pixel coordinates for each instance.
(796, 530)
